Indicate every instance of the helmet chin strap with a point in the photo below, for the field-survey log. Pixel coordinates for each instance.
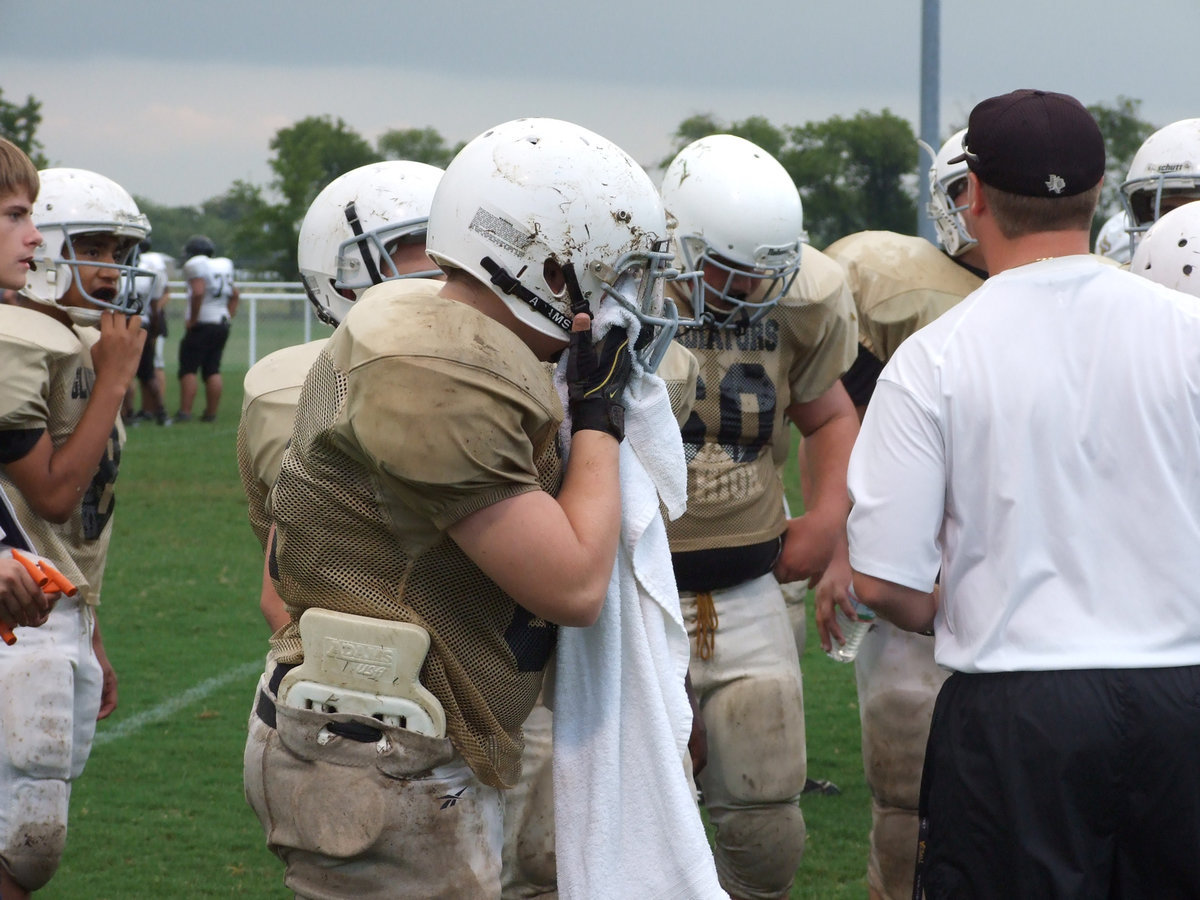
(363, 245)
(502, 279)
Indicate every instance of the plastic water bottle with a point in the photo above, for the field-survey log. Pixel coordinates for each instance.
(853, 631)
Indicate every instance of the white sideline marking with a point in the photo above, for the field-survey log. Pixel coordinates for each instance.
(172, 705)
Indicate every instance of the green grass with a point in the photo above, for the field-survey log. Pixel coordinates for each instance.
(159, 812)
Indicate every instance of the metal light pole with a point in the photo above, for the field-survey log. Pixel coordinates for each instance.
(930, 74)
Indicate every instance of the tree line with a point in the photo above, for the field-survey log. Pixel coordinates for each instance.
(853, 174)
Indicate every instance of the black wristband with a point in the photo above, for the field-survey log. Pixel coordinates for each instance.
(598, 414)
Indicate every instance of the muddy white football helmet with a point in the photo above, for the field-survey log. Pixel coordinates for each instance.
(1167, 163)
(74, 202)
(533, 191)
(1169, 251)
(944, 178)
(737, 211)
(1112, 240)
(352, 226)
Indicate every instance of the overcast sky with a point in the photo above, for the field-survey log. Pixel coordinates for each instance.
(177, 100)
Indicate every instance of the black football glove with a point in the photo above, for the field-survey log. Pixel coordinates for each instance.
(596, 381)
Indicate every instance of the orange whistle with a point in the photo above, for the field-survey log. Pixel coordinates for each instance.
(45, 575)
(57, 579)
(40, 578)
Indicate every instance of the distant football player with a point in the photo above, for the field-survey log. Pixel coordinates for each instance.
(153, 292)
(772, 327)
(364, 228)
(68, 349)
(900, 284)
(1163, 174)
(429, 537)
(212, 304)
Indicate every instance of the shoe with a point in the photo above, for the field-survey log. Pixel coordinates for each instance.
(181, 416)
(142, 416)
(162, 418)
(207, 418)
(820, 786)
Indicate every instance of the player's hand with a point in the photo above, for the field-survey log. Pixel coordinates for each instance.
(117, 353)
(22, 601)
(808, 547)
(108, 693)
(596, 378)
(832, 591)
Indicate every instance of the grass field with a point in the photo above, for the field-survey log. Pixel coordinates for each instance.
(159, 811)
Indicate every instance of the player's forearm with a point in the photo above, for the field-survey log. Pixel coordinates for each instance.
(905, 607)
(826, 456)
(53, 480)
(591, 501)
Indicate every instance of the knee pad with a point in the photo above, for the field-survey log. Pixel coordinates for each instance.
(37, 833)
(893, 852)
(37, 703)
(756, 750)
(895, 730)
(758, 850)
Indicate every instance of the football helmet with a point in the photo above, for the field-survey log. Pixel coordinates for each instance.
(352, 226)
(1169, 251)
(944, 178)
(737, 212)
(199, 245)
(1112, 240)
(1167, 163)
(534, 191)
(74, 202)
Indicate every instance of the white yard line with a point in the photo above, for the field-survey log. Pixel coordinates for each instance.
(172, 705)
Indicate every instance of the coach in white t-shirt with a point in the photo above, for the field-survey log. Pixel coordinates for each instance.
(1039, 446)
(212, 303)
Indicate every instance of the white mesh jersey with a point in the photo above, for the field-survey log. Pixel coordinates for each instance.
(900, 284)
(270, 391)
(418, 412)
(217, 272)
(46, 378)
(736, 438)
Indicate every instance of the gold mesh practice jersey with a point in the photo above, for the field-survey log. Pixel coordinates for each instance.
(737, 439)
(46, 378)
(900, 284)
(419, 412)
(271, 389)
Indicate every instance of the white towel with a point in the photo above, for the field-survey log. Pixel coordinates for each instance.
(626, 821)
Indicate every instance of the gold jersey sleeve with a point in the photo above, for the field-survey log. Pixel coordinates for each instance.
(418, 412)
(46, 379)
(270, 391)
(737, 436)
(900, 284)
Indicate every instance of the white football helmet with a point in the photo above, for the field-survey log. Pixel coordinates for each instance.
(944, 178)
(352, 226)
(736, 210)
(1112, 240)
(1169, 251)
(1167, 163)
(536, 190)
(74, 202)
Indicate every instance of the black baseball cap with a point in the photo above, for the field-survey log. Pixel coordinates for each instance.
(1034, 143)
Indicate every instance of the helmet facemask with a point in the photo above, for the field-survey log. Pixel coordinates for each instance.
(64, 271)
(715, 302)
